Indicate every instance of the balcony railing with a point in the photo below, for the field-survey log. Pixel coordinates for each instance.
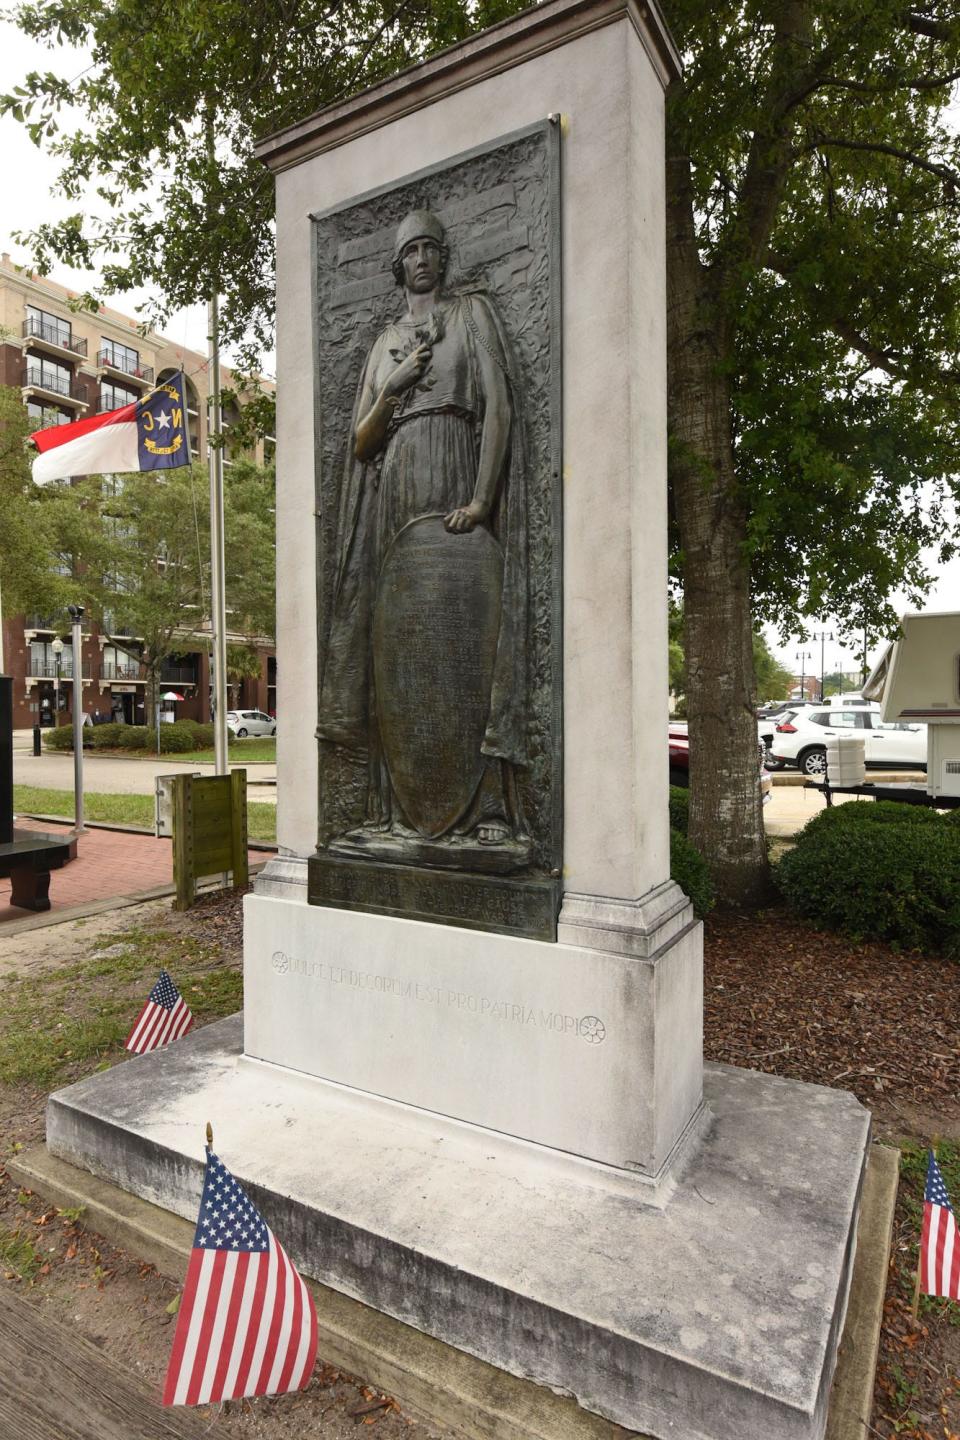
(107, 358)
(56, 384)
(54, 335)
(115, 404)
(47, 670)
(40, 622)
(178, 675)
(112, 670)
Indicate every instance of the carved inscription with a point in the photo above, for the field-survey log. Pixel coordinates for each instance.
(527, 907)
(588, 1028)
(435, 635)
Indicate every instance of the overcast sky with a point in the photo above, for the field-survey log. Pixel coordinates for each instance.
(26, 201)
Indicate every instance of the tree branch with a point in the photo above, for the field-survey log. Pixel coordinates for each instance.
(928, 25)
(860, 87)
(879, 147)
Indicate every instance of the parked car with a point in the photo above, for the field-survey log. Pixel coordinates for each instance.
(800, 739)
(250, 722)
(679, 743)
(767, 725)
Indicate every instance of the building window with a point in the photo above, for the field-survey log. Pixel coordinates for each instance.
(121, 357)
(43, 660)
(49, 327)
(113, 396)
(44, 415)
(120, 664)
(48, 374)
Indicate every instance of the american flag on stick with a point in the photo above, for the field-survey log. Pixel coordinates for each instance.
(939, 1242)
(165, 1017)
(246, 1324)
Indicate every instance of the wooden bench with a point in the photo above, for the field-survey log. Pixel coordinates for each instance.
(27, 861)
(56, 1385)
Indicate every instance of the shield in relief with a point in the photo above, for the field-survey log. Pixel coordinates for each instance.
(435, 626)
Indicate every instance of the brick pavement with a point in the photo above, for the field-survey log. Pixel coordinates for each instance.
(109, 864)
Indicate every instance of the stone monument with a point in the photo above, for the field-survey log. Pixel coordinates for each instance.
(469, 1088)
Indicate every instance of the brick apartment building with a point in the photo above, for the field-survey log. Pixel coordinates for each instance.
(68, 364)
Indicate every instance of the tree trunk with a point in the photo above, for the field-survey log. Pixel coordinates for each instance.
(726, 822)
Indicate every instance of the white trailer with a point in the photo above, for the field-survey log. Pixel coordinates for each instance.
(918, 679)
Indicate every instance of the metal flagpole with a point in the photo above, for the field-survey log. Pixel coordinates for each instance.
(76, 617)
(218, 594)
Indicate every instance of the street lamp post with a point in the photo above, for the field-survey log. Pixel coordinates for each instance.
(76, 615)
(57, 647)
(803, 656)
(823, 636)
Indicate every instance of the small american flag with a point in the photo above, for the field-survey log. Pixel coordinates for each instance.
(165, 1017)
(939, 1243)
(246, 1324)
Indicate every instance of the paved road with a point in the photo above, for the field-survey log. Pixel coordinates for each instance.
(105, 774)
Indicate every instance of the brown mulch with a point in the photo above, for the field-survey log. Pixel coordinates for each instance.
(779, 997)
(810, 1005)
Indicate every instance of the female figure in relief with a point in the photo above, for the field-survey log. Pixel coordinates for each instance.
(435, 431)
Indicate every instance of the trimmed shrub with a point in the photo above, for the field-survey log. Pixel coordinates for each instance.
(60, 737)
(891, 881)
(860, 813)
(202, 734)
(689, 869)
(679, 809)
(177, 737)
(106, 737)
(136, 737)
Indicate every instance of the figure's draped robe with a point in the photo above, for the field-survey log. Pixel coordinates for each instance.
(428, 465)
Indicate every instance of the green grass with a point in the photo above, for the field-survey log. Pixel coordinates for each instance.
(913, 1174)
(18, 1256)
(65, 1022)
(125, 809)
(255, 750)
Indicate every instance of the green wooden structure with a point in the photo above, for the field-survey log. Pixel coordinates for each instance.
(209, 830)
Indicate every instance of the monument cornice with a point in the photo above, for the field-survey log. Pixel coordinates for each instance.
(511, 42)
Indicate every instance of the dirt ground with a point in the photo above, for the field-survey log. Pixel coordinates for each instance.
(779, 997)
(109, 963)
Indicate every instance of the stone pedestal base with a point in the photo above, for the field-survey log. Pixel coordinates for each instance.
(713, 1314)
(590, 1051)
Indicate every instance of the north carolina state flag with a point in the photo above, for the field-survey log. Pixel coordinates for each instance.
(148, 434)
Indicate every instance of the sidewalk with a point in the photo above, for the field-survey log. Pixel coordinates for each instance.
(110, 865)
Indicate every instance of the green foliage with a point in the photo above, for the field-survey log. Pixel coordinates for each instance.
(823, 178)
(184, 213)
(689, 869)
(679, 808)
(857, 815)
(177, 738)
(27, 578)
(890, 878)
(772, 678)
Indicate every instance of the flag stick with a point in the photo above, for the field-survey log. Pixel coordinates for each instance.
(209, 1136)
(218, 597)
(915, 1307)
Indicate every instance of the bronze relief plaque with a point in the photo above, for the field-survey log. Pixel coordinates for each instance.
(437, 333)
(435, 624)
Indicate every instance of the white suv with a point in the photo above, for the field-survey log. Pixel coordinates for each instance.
(801, 739)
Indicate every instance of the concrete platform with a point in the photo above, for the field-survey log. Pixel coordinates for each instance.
(714, 1317)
